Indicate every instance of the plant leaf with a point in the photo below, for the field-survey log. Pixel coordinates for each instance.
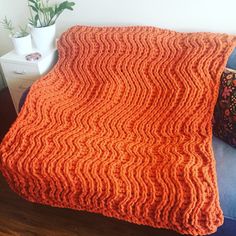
(45, 9)
(37, 6)
(31, 1)
(66, 5)
(36, 18)
(33, 8)
(51, 12)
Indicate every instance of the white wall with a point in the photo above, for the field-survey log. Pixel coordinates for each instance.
(181, 15)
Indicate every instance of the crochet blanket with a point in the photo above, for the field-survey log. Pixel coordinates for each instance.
(122, 126)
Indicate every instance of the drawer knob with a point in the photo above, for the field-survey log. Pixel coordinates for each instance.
(19, 72)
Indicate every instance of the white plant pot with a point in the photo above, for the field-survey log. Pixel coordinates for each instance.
(44, 37)
(22, 45)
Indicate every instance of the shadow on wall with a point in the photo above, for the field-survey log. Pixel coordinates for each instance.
(2, 83)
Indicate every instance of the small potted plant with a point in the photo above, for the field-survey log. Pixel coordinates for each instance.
(42, 20)
(20, 38)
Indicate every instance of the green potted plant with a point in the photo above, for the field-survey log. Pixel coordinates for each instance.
(43, 16)
(20, 38)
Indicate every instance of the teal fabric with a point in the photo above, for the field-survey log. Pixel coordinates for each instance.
(232, 60)
(225, 156)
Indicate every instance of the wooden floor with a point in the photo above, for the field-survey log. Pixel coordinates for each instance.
(19, 217)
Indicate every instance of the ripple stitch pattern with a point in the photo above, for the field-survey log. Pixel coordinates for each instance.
(122, 126)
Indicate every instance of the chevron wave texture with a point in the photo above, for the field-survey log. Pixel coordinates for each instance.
(122, 126)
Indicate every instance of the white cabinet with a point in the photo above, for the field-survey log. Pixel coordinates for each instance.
(20, 74)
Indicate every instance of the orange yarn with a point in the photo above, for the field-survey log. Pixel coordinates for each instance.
(122, 126)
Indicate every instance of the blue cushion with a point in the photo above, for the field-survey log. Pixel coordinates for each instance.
(232, 60)
(23, 98)
(225, 156)
(227, 229)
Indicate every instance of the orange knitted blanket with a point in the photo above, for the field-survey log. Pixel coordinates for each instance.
(122, 126)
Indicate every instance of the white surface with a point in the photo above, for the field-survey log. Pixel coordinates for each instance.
(22, 45)
(44, 38)
(20, 59)
(21, 74)
(181, 15)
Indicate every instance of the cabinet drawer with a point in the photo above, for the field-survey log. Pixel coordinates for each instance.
(20, 77)
(20, 74)
(14, 71)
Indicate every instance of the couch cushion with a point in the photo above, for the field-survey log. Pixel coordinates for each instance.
(232, 60)
(224, 122)
(225, 157)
